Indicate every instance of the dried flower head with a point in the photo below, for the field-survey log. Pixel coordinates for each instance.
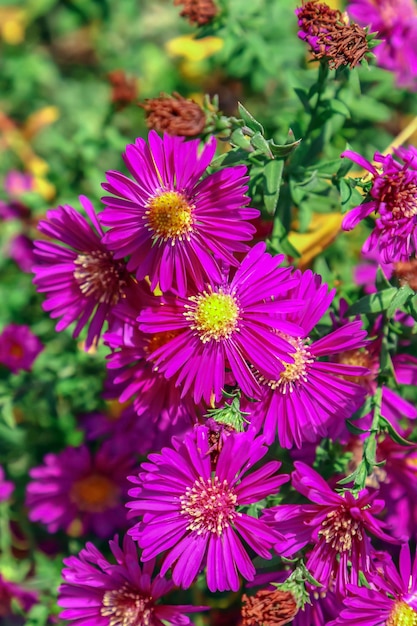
(331, 36)
(198, 12)
(174, 115)
(406, 272)
(124, 89)
(270, 608)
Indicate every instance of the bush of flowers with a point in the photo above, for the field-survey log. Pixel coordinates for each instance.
(208, 313)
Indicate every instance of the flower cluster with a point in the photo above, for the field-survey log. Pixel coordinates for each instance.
(190, 310)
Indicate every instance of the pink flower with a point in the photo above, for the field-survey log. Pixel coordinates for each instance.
(175, 222)
(393, 195)
(19, 347)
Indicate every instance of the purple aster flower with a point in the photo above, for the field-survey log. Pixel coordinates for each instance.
(12, 592)
(97, 592)
(393, 195)
(21, 251)
(397, 482)
(298, 402)
(16, 183)
(154, 396)
(391, 600)
(404, 367)
(19, 347)
(335, 524)
(82, 280)
(81, 492)
(227, 324)
(192, 513)
(395, 21)
(6, 487)
(173, 223)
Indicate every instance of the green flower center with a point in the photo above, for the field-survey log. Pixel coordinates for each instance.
(213, 315)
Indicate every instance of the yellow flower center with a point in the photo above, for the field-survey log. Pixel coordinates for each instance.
(94, 493)
(294, 372)
(127, 607)
(360, 358)
(157, 340)
(214, 315)
(402, 615)
(170, 216)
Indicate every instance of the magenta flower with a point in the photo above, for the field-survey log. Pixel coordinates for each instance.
(193, 514)
(395, 22)
(394, 196)
(19, 347)
(6, 487)
(230, 324)
(299, 402)
(79, 275)
(397, 480)
(174, 224)
(334, 524)
(153, 395)
(96, 592)
(21, 251)
(13, 592)
(391, 601)
(81, 492)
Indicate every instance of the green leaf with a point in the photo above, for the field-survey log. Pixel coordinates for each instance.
(373, 303)
(337, 106)
(283, 150)
(399, 299)
(259, 142)
(249, 120)
(239, 139)
(272, 184)
(387, 427)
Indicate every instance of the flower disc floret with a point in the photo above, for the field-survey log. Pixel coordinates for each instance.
(169, 216)
(293, 372)
(99, 276)
(402, 615)
(213, 315)
(127, 607)
(209, 505)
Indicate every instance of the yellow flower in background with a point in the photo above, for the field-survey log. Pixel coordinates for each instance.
(17, 138)
(193, 49)
(12, 25)
(39, 119)
(323, 230)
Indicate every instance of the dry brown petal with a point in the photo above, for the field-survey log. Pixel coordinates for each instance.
(174, 115)
(268, 608)
(198, 12)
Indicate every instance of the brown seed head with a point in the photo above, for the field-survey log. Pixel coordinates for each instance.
(269, 608)
(406, 272)
(174, 115)
(124, 89)
(198, 12)
(331, 36)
